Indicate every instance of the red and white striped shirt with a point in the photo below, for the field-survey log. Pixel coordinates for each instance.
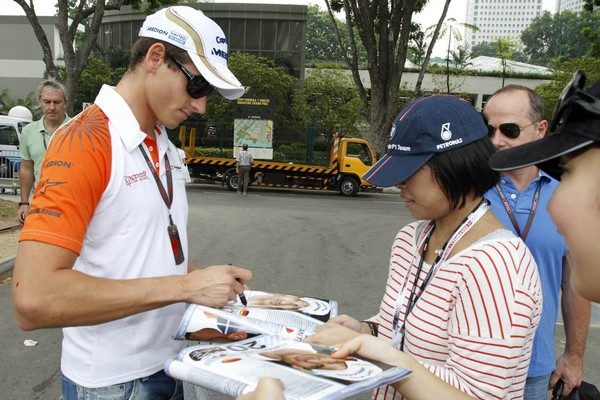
(474, 323)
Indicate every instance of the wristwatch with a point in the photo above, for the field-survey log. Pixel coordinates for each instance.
(23, 203)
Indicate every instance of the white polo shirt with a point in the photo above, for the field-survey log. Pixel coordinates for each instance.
(99, 199)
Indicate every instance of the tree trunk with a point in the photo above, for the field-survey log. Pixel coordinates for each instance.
(430, 49)
(448, 62)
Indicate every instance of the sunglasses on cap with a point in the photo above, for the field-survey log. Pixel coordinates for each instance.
(197, 86)
(511, 130)
(571, 95)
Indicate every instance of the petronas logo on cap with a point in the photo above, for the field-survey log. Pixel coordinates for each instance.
(446, 132)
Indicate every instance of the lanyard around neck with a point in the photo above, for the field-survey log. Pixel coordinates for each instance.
(167, 197)
(511, 214)
(466, 224)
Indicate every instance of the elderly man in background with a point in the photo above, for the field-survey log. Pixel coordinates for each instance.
(35, 137)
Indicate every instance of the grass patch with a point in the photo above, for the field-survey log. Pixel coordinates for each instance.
(8, 210)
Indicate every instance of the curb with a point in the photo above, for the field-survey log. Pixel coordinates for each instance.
(7, 264)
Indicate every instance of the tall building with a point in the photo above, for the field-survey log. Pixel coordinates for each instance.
(500, 18)
(569, 5)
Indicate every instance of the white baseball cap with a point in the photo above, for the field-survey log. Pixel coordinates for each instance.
(205, 42)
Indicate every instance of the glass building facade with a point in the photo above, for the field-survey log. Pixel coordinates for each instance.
(275, 31)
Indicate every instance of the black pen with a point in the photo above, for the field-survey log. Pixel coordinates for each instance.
(243, 298)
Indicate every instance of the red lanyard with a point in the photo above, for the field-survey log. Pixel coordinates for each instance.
(168, 199)
(511, 214)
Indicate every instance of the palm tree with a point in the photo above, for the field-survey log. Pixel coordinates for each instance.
(504, 48)
(450, 28)
(461, 57)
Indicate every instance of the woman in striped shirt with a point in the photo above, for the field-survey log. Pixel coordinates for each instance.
(462, 299)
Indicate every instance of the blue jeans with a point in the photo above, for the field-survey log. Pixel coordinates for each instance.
(536, 388)
(159, 386)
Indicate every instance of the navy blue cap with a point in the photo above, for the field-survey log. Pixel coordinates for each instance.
(425, 127)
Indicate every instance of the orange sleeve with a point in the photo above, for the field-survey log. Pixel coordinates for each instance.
(74, 175)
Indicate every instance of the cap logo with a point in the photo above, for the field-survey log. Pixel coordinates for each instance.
(157, 30)
(221, 40)
(219, 53)
(178, 37)
(398, 147)
(449, 144)
(446, 132)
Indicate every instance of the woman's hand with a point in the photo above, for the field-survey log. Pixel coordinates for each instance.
(332, 334)
(346, 321)
(267, 388)
(371, 347)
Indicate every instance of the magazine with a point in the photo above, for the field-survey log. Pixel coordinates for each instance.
(307, 371)
(283, 315)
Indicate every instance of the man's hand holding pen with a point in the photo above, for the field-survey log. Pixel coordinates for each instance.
(214, 286)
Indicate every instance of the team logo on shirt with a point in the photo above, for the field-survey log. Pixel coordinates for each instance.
(44, 185)
(135, 178)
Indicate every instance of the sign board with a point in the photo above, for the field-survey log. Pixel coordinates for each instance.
(253, 125)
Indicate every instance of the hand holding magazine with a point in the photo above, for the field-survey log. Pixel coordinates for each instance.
(284, 315)
(307, 371)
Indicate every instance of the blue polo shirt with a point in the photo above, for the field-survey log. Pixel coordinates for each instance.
(548, 248)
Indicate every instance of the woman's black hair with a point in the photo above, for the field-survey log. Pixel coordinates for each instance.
(465, 171)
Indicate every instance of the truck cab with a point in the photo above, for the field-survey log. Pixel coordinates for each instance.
(355, 157)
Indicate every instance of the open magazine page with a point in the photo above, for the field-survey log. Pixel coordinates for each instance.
(308, 371)
(288, 316)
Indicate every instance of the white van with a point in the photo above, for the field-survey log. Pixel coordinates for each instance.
(10, 160)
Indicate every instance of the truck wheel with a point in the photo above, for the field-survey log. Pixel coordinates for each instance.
(232, 181)
(348, 186)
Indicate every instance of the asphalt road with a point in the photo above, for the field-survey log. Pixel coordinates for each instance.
(313, 243)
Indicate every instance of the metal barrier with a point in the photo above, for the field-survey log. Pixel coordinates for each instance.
(10, 164)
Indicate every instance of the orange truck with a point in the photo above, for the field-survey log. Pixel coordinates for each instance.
(349, 159)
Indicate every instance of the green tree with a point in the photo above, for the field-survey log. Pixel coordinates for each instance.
(417, 47)
(71, 14)
(483, 49)
(384, 29)
(451, 28)
(94, 75)
(559, 36)
(29, 101)
(263, 78)
(329, 99)
(549, 92)
(321, 40)
(461, 57)
(504, 47)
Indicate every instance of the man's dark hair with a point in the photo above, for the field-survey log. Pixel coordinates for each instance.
(465, 171)
(244, 147)
(536, 105)
(141, 46)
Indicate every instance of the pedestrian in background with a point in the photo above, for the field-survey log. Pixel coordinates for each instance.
(515, 116)
(244, 161)
(35, 138)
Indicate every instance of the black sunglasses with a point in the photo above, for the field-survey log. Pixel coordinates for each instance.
(511, 130)
(197, 86)
(571, 95)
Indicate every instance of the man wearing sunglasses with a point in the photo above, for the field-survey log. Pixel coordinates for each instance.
(514, 115)
(104, 250)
